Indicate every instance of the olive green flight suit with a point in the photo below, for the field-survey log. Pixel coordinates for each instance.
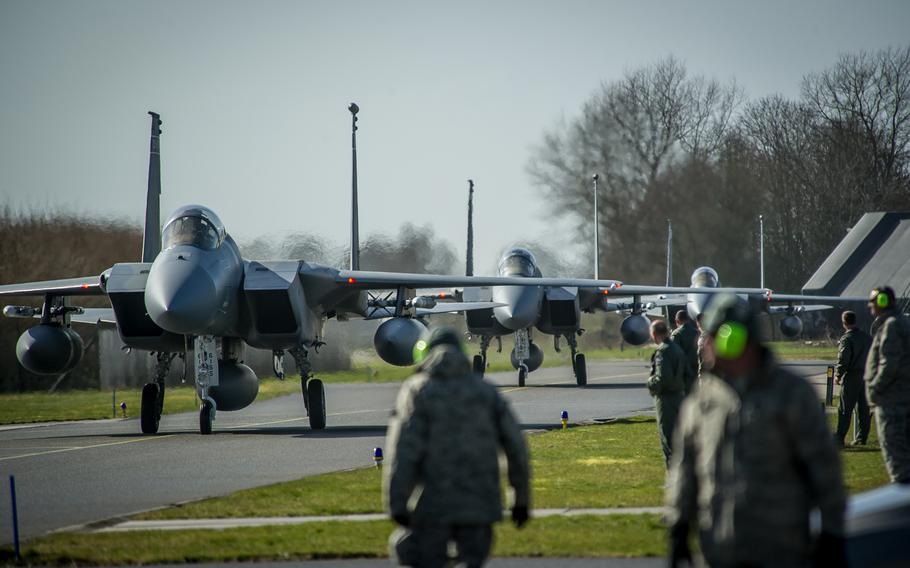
(853, 349)
(667, 387)
(686, 336)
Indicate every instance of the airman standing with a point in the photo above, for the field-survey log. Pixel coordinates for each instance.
(888, 381)
(686, 336)
(852, 351)
(666, 383)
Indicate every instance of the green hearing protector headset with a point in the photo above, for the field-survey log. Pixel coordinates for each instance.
(882, 300)
(730, 340)
(420, 351)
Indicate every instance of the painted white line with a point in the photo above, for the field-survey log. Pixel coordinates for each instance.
(77, 448)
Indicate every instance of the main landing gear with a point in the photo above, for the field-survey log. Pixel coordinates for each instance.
(153, 395)
(579, 366)
(480, 361)
(312, 389)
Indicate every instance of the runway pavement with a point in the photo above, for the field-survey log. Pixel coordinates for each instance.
(75, 473)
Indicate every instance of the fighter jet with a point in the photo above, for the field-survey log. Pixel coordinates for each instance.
(193, 293)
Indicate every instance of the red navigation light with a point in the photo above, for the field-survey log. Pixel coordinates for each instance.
(351, 280)
(443, 296)
(84, 286)
(606, 292)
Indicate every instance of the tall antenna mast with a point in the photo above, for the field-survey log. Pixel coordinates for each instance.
(596, 233)
(469, 255)
(761, 250)
(669, 253)
(355, 222)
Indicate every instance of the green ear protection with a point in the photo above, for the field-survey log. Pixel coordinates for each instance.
(730, 340)
(420, 351)
(882, 300)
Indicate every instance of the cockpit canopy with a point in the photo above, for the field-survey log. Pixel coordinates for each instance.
(195, 226)
(518, 262)
(705, 277)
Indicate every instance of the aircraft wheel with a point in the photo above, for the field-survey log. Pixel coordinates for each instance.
(149, 416)
(522, 375)
(206, 418)
(478, 365)
(316, 396)
(581, 370)
(306, 396)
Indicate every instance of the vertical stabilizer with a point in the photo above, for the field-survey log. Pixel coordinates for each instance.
(469, 254)
(669, 253)
(151, 237)
(355, 221)
(761, 251)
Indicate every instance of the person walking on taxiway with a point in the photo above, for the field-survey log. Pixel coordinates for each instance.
(752, 457)
(888, 381)
(441, 477)
(852, 352)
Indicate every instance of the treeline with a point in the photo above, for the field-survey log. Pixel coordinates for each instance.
(671, 145)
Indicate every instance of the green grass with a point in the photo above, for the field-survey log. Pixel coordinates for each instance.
(619, 535)
(95, 404)
(613, 465)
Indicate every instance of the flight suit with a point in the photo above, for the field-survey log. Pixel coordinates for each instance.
(705, 355)
(852, 351)
(667, 387)
(752, 457)
(442, 464)
(686, 336)
(888, 388)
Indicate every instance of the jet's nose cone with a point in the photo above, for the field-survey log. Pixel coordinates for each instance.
(180, 296)
(522, 306)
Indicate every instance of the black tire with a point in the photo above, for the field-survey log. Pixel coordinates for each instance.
(306, 398)
(581, 370)
(478, 364)
(522, 375)
(206, 418)
(149, 416)
(316, 395)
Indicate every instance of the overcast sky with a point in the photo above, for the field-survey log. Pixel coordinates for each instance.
(254, 95)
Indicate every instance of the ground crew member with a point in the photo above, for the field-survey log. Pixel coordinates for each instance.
(705, 355)
(852, 351)
(666, 384)
(888, 381)
(752, 456)
(441, 476)
(686, 336)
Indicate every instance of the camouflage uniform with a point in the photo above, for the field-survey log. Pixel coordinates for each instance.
(888, 387)
(686, 336)
(851, 362)
(666, 386)
(753, 456)
(442, 466)
(704, 365)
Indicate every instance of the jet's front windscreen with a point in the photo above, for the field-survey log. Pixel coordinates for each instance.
(518, 263)
(194, 231)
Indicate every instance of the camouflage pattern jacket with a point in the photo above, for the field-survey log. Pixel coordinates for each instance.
(852, 351)
(443, 441)
(667, 369)
(686, 336)
(888, 366)
(749, 465)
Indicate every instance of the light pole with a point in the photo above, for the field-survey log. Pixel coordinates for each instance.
(355, 222)
(596, 233)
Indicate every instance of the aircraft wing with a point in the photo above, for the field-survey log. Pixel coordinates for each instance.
(382, 312)
(798, 309)
(87, 286)
(96, 316)
(772, 297)
(388, 280)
